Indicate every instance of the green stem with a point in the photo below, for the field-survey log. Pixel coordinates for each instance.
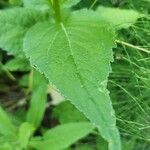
(30, 83)
(133, 46)
(9, 74)
(93, 4)
(56, 7)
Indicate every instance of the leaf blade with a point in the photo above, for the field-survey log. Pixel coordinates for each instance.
(25, 132)
(14, 23)
(63, 136)
(67, 58)
(38, 100)
(6, 127)
(69, 3)
(121, 18)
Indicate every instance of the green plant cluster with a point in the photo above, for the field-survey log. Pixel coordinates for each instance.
(95, 54)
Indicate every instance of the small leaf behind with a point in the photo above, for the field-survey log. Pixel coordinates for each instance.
(119, 18)
(6, 127)
(17, 64)
(63, 136)
(69, 3)
(25, 132)
(38, 100)
(66, 112)
(36, 4)
(14, 23)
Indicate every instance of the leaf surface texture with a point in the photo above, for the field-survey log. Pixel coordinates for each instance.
(75, 57)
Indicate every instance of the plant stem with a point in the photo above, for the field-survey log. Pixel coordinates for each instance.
(56, 7)
(51, 3)
(9, 74)
(93, 4)
(133, 46)
(30, 83)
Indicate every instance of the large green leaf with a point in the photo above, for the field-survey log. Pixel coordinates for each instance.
(13, 25)
(75, 57)
(38, 100)
(63, 136)
(119, 18)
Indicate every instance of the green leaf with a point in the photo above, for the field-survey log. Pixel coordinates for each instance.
(45, 4)
(85, 147)
(36, 4)
(101, 144)
(14, 23)
(25, 132)
(63, 136)
(75, 57)
(69, 3)
(6, 127)
(119, 18)
(15, 2)
(24, 81)
(82, 146)
(129, 144)
(6, 146)
(38, 100)
(146, 0)
(17, 64)
(66, 112)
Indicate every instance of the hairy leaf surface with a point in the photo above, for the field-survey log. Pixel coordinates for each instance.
(75, 57)
(13, 25)
(63, 136)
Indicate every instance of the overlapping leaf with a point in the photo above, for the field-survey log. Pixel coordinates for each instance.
(62, 136)
(44, 4)
(38, 101)
(13, 25)
(69, 3)
(66, 112)
(6, 127)
(25, 132)
(119, 18)
(37, 4)
(18, 64)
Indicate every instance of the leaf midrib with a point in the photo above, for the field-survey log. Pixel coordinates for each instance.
(78, 73)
